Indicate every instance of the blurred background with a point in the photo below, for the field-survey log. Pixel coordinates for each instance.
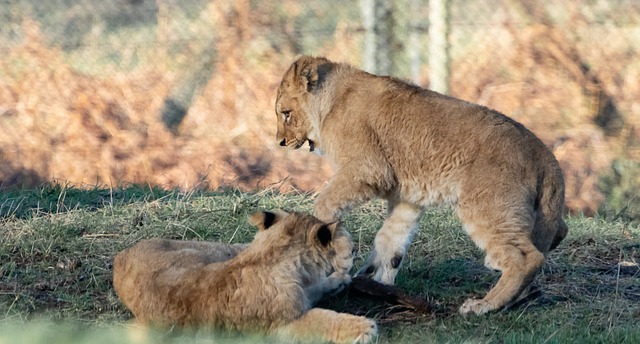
(181, 94)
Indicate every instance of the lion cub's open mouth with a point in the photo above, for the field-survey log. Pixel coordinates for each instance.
(312, 145)
(296, 144)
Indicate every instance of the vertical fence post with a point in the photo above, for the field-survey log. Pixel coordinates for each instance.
(414, 41)
(379, 36)
(439, 45)
(368, 22)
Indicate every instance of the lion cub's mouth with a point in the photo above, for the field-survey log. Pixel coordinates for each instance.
(300, 143)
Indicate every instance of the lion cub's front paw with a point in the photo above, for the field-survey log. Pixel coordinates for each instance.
(369, 331)
(324, 213)
(380, 269)
(359, 330)
(337, 282)
(476, 306)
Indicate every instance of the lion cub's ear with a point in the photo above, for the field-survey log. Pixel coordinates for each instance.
(265, 219)
(313, 71)
(326, 233)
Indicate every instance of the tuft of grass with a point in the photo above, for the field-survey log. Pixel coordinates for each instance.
(58, 244)
(621, 185)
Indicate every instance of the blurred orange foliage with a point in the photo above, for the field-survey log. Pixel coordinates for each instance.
(58, 124)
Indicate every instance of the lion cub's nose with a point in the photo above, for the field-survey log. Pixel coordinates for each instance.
(283, 142)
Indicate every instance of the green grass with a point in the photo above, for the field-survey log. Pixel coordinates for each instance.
(57, 245)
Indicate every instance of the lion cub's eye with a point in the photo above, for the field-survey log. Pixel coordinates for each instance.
(286, 115)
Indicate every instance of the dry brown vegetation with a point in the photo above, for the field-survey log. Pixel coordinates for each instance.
(59, 124)
(561, 102)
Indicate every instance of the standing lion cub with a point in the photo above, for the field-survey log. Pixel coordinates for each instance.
(268, 286)
(416, 148)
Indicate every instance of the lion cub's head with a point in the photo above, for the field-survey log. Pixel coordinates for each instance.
(294, 103)
(320, 248)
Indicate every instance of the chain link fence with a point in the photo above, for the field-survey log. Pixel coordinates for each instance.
(180, 93)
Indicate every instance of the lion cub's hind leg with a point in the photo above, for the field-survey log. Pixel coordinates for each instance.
(391, 242)
(323, 325)
(506, 240)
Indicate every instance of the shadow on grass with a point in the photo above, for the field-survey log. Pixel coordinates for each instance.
(53, 198)
(447, 283)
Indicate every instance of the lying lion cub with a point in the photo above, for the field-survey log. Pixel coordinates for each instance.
(268, 286)
(416, 148)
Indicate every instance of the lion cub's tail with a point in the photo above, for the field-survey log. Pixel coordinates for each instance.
(550, 228)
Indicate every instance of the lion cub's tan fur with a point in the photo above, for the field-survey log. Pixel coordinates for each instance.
(416, 148)
(268, 286)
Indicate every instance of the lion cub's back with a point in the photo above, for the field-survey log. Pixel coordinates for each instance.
(140, 268)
